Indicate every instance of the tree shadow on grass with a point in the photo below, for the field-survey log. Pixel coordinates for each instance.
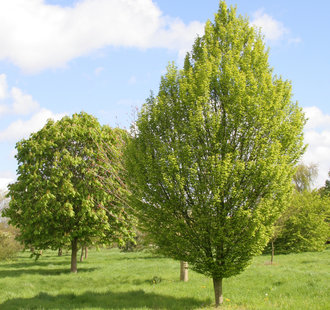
(108, 300)
(34, 263)
(126, 256)
(43, 272)
(156, 257)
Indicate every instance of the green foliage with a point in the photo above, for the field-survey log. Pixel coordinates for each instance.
(139, 243)
(304, 226)
(325, 190)
(59, 197)
(4, 202)
(9, 247)
(212, 159)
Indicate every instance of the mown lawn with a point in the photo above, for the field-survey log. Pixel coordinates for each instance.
(109, 279)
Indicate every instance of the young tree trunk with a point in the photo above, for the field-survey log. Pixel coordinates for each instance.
(273, 252)
(86, 252)
(59, 253)
(74, 249)
(183, 271)
(82, 254)
(217, 284)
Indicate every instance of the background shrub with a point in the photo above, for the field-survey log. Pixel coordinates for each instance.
(9, 247)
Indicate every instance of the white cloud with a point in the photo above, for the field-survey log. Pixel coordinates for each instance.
(3, 87)
(270, 27)
(17, 102)
(317, 136)
(316, 118)
(6, 177)
(20, 129)
(23, 104)
(36, 36)
(4, 183)
(174, 34)
(4, 109)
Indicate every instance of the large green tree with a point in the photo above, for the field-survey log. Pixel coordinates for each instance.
(213, 154)
(59, 197)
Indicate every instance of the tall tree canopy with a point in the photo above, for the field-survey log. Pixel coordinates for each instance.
(58, 198)
(212, 159)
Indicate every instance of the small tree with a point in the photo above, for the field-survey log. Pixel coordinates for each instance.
(304, 177)
(276, 233)
(214, 151)
(58, 198)
(304, 226)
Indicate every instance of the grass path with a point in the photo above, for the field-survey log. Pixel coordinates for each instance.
(109, 279)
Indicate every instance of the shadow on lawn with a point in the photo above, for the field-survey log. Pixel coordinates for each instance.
(108, 300)
(126, 256)
(155, 257)
(42, 272)
(33, 263)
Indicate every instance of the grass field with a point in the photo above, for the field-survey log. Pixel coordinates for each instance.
(109, 279)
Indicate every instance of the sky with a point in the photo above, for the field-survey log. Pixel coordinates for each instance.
(59, 57)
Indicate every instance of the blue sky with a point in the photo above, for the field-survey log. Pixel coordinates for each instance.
(59, 57)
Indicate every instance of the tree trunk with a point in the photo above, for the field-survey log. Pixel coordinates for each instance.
(86, 252)
(273, 251)
(183, 271)
(82, 254)
(59, 253)
(74, 249)
(217, 284)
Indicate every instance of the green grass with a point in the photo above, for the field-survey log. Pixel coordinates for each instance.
(109, 279)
